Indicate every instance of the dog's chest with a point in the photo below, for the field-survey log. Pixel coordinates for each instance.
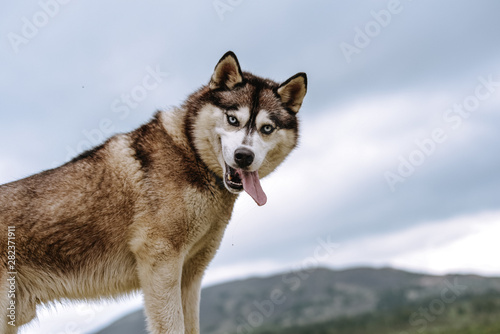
(207, 220)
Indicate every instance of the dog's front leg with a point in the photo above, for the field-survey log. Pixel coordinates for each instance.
(161, 284)
(192, 275)
(191, 285)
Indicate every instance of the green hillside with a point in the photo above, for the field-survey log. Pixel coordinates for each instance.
(468, 315)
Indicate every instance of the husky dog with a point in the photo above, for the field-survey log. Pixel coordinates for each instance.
(147, 209)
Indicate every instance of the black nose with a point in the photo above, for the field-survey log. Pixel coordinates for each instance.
(243, 157)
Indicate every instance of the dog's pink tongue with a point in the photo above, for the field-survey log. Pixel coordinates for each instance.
(251, 184)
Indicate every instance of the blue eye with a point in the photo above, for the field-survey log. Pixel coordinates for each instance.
(232, 120)
(267, 129)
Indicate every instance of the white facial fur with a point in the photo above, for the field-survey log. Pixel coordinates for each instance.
(217, 140)
(234, 137)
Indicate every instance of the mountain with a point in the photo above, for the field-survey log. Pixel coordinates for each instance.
(319, 300)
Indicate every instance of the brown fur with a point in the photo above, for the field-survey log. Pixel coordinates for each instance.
(145, 210)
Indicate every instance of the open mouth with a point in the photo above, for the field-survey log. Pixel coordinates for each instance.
(237, 180)
(232, 179)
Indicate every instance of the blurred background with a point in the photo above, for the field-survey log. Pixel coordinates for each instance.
(398, 164)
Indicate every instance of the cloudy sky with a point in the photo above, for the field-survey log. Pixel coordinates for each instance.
(399, 157)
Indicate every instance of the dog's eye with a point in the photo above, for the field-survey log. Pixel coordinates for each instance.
(267, 129)
(232, 120)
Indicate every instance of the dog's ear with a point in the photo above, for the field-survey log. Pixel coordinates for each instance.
(292, 91)
(227, 73)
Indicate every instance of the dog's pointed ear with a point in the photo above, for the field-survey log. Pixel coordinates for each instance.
(292, 91)
(227, 73)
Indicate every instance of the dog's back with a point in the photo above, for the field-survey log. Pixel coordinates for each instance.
(70, 227)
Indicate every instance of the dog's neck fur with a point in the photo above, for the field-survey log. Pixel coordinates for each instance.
(177, 123)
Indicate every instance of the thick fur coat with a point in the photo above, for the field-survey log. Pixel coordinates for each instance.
(147, 209)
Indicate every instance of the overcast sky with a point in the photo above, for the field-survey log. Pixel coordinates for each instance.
(399, 157)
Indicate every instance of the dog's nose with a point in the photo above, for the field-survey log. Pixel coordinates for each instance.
(243, 157)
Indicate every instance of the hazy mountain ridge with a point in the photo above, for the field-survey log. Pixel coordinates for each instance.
(323, 297)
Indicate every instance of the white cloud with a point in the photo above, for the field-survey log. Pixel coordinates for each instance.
(465, 244)
(80, 317)
(242, 271)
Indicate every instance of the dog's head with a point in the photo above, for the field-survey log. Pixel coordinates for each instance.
(244, 126)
